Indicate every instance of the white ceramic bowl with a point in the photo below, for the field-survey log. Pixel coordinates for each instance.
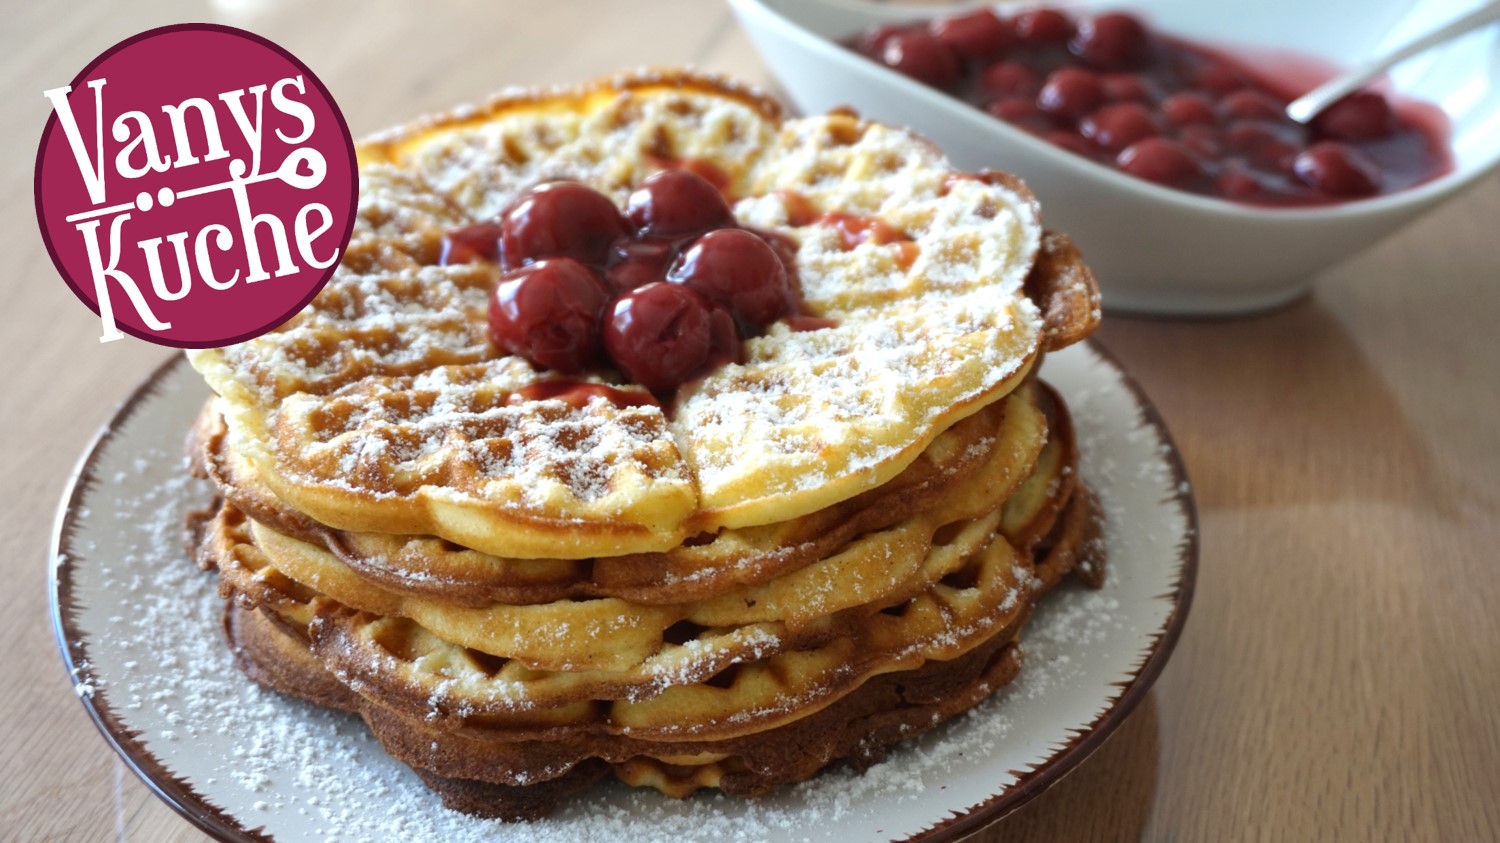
(1155, 249)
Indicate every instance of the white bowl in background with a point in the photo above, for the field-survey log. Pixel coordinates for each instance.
(1156, 249)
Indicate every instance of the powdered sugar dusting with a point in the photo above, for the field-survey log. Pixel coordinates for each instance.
(154, 653)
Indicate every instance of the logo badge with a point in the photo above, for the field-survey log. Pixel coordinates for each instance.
(196, 186)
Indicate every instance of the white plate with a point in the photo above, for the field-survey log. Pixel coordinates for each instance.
(139, 627)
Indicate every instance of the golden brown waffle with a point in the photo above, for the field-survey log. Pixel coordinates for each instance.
(1031, 511)
(505, 766)
(382, 408)
(775, 670)
(884, 711)
(432, 675)
(481, 684)
(1004, 437)
(453, 751)
(744, 695)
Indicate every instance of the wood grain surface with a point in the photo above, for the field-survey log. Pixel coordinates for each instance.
(1340, 676)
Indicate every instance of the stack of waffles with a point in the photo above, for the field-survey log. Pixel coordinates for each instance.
(803, 557)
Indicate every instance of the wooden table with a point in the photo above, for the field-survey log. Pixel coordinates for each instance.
(1340, 675)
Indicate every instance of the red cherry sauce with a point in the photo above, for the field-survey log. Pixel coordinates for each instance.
(802, 324)
(577, 394)
(853, 229)
(1167, 110)
(706, 170)
(477, 242)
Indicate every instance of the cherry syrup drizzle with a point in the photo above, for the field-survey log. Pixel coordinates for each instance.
(852, 229)
(576, 393)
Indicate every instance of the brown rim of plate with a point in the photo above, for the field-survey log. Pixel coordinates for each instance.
(173, 790)
(1080, 745)
(218, 823)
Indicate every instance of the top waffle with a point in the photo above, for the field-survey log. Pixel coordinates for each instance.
(383, 407)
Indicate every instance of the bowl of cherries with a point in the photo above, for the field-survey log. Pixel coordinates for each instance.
(1157, 135)
(663, 291)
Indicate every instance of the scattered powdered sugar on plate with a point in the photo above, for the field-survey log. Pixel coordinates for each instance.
(151, 650)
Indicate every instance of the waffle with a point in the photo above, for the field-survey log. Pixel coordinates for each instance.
(499, 739)
(478, 725)
(714, 564)
(804, 557)
(888, 709)
(487, 752)
(379, 408)
(515, 753)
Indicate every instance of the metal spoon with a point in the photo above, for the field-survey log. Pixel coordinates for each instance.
(1304, 108)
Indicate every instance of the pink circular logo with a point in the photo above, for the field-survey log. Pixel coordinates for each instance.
(196, 186)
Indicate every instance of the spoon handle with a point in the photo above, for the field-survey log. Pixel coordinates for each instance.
(1304, 108)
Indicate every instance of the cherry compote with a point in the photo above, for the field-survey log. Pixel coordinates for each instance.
(1162, 109)
(560, 220)
(739, 270)
(662, 335)
(548, 312)
(677, 203)
(664, 291)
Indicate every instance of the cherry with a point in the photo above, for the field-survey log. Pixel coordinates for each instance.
(1160, 160)
(709, 172)
(480, 241)
(1246, 137)
(1111, 40)
(1071, 141)
(1117, 126)
(661, 335)
(560, 219)
(873, 41)
(1070, 92)
(1251, 105)
(1337, 169)
(1278, 156)
(636, 263)
(1039, 27)
(1217, 78)
(784, 246)
(677, 203)
(924, 58)
(1021, 113)
(1235, 183)
(1363, 115)
(975, 36)
(1261, 142)
(1187, 109)
(1203, 141)
(740, 270)
(1008, 78)
(1125, 87)
(548, 312)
